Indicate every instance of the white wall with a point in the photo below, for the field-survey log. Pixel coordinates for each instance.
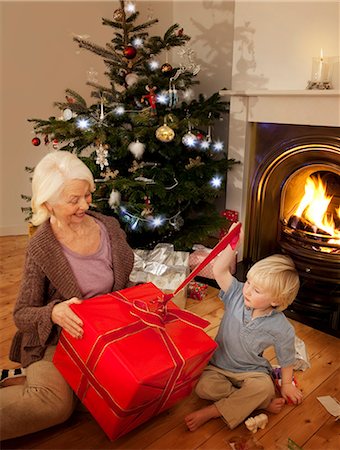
(275, 41)
(40, 60)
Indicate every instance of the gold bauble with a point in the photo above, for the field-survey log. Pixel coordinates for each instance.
(165, 133)
(118, 15)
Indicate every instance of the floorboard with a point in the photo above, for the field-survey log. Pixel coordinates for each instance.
(309, 424)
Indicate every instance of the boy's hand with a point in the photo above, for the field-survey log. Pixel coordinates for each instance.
(234, 243)
(291, 393)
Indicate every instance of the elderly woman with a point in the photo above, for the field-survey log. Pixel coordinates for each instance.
(75, 254)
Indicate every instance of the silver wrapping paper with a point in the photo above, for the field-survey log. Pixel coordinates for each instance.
(162, 266)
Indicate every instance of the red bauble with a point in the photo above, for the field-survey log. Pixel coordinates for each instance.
(129, 52)
(36, 141)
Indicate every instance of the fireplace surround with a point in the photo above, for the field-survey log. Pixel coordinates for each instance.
(282, 138)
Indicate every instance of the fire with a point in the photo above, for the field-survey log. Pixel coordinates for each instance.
(314, 208)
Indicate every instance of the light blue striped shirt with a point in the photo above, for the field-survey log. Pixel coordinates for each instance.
(242, 340)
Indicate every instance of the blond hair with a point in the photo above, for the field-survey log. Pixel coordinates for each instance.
(277, 274)
(49, 177)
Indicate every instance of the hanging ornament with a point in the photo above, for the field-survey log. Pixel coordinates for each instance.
(177, 222)
(118, 15)
(137, 149)
(46, 140)
(36, 141)
(194, 163)
(129, 51)
(102, 153)
(70, 99)
(189, 139)
(55, 144)
(165, 133)
(108, 174)
(166, 68)
(173, 97)
(131, 78)
(67, 114)
(148, 210)
(150, 97)
(114, 200)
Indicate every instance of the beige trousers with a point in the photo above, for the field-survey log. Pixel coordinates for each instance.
(45, 399)
(236, 395)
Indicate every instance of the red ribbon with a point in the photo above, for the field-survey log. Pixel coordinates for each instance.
(145, 319)
(231, 238)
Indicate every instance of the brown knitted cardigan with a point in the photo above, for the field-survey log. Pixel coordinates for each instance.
(48, 279)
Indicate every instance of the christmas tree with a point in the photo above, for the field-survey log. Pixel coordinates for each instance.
(149, 144)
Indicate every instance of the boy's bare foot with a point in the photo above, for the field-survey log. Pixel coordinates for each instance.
(199, 417)
(276, 405)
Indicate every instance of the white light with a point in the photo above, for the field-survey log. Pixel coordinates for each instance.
(153, 64)
(162, 98)
(216, 181)
(205, 145)
(137, 42)
(130, 8)
(157, 221)
(189, 140)
(134, 225)
(218, 146)
(123, 209)
(83, 123)
(119, 110)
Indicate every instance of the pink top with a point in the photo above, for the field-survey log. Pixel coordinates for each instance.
(94, 273)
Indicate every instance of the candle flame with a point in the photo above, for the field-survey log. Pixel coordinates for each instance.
(321, 55)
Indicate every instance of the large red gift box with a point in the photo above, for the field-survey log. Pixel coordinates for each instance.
(137, 356)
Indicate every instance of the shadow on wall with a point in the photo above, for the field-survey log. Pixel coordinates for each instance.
(244, 73)
(216, 44)
(212, 42)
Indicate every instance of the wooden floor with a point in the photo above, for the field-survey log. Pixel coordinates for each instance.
(309, 425)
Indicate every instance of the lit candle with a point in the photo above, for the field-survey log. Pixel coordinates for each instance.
(320, 66)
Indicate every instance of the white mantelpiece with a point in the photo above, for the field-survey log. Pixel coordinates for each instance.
(300, 107)
(306, 107)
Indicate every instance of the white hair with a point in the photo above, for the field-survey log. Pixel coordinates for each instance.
(49, 177)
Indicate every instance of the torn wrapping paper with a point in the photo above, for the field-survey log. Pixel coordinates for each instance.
(163, 267)
(301, 356)
(200, 252)
(331, 404)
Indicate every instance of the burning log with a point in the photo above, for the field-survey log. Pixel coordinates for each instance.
(302, 224)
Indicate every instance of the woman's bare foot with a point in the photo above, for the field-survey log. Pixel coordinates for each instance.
(276, 405)
(199, 417)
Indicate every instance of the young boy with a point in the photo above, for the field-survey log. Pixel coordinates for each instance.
(238, 378)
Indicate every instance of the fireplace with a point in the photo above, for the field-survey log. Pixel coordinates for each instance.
(286, 153)
(292, 162)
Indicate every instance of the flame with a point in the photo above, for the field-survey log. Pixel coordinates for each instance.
(314, 207)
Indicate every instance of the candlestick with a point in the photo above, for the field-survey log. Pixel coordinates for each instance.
(320, 73)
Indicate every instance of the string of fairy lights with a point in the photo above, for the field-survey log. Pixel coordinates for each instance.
(168, 98)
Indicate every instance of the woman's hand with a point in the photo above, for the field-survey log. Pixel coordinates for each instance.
(63, 315)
